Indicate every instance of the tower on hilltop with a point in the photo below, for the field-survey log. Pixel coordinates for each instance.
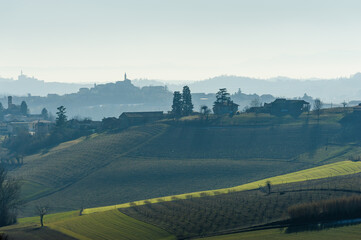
(126, 80)
(10, 102)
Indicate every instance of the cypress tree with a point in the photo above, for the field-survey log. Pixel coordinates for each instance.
(187, 106)
(61, 117)
(177, 104)
(24, 108)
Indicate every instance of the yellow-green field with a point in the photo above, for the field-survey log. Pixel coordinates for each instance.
(344, 233)
(50, 218)
(109, 225)
(329, 170)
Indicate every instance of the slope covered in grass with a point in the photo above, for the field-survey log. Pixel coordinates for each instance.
(238, 142)
(321, 172)
(204, 214)
(109, 225)
(46, 173)
(172, 158)
(99, 226)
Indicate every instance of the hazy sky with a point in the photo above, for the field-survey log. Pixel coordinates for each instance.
(97, 41)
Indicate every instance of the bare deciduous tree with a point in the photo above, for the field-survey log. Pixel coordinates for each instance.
(42, 211)
(317, 107)
(344, 104)
(9, 198)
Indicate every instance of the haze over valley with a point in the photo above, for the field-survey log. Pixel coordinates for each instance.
(179, 120)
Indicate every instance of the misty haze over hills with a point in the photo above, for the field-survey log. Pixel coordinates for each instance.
(25, 85)
(334, 90)
(111, 99)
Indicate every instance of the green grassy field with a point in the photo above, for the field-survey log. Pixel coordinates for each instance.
(116, 224)
(261, 119)
(173, 165)
(166, 159)
(49, 172)
(106, 225)
(109, 225)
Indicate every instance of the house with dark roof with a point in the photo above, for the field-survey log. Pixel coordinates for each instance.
(136, 118)
(282, 106)
(357, 109)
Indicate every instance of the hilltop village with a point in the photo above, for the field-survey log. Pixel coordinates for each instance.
(16, 118)
(18, 123)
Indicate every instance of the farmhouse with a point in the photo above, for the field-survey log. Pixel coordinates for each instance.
(135, 118)
(282, 106)
(40, 127)
(357, 109)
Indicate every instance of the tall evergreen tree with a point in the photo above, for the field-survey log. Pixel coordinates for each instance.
(61, 117)
(24, 108)
(222, 96)
(177, 104)
(187, 106)
(45, 113)
(224, 104)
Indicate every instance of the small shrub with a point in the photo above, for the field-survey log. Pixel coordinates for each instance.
(355, 158)
(3, 236)
(203, 194)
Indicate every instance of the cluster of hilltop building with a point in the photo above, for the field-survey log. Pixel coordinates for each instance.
(16, 118)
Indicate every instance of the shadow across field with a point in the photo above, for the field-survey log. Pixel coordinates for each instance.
(240, 211)
(322, 225)
(158, 160)
(36, 233)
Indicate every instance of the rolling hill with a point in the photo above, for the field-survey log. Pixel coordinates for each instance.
(169, 158)
(208, 214)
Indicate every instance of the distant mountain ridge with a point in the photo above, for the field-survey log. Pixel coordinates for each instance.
(25, 85)
(334, 90)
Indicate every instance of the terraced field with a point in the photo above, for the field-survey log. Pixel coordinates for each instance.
(223, 213)
(325, 171)
(101, 224)
(159, 160)
(49, 172)
(238, 142)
